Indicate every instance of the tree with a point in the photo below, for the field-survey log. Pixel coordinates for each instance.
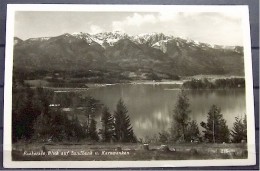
(239, 131)
(163, 136)
(181, 117)
(123, 129)
(52, 126)
(58, 126)
(192, 133)
(107, 123)
(42, 128)
(216, 129)
(41, 100)
(93, 130)
(23, 113)
(92, 106)
(75, 130)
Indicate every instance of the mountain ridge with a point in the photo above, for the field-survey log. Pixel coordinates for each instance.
(147, 53)
(135, 38)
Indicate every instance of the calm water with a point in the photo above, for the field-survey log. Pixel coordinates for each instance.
(150, 106)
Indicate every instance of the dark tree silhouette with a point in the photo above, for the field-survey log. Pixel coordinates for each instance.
(216, 129)
(42, 128)
(75, 130)
(93, 135)
(123, 128)
(92, 106)
(192, 133)
(180, 117)
(239, 131)
(107, 123)
(25, 110)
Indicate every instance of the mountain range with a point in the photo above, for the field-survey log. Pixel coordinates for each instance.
(156, 53)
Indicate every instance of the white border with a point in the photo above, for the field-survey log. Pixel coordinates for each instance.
(12, 8)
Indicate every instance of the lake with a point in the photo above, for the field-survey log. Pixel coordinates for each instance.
(150, 107)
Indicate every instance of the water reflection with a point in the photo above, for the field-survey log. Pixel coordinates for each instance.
(150, 106)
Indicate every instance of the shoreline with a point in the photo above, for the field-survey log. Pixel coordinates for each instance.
(87, 86)
(97, 85)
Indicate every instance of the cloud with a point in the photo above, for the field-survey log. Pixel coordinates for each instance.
(94, 29)
(208, 27)
(118, 26)
(167, 16)
(136, 20)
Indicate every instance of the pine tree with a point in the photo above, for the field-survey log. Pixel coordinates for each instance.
(93, 130)
(180, 117)
(216, 129)
(123, 128)
(42, 128)
(192, 133)
(24, 114)
(92, 106)
(107, 130)
(58, 126)
(75, 130)
(239, 131)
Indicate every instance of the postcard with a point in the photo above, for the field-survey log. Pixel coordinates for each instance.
(114, 86)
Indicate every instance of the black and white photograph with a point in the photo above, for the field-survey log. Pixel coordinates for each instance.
(128, 86)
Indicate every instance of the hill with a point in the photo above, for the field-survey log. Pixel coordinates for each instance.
(144, 56)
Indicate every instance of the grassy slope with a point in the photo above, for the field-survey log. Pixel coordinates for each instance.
(136, 152)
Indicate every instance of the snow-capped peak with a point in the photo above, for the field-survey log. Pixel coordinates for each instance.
(109, 37)
(76, 33)
(67, 34)
(193, 42)
(84, 36)
(149, 38)
(148, 35)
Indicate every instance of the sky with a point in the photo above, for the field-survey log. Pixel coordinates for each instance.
(223, 28)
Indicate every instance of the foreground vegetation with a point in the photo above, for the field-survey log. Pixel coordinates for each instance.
(36, 119)
(38, 122)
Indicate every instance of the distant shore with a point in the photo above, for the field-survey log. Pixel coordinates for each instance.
(158, 82)
(96, 85)
(86, 86)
